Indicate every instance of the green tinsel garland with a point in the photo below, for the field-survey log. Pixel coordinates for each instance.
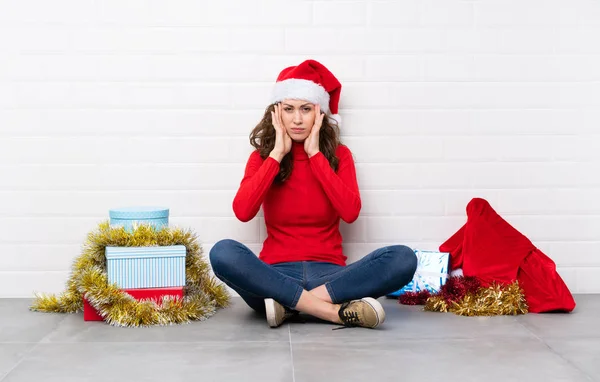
(203, 293)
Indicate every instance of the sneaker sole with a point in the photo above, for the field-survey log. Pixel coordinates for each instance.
(270, 309)
(376, 305)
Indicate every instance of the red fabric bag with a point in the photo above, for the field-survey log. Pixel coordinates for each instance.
(492, 250)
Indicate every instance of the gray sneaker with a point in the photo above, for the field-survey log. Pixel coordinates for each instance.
(276, 313)
(366, 312)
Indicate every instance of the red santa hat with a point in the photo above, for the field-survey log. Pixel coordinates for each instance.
(310, 81)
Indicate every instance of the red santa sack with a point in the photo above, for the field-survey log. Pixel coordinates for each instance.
(492, 250)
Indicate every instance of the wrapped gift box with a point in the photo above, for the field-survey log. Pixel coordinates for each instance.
(146, 267)
(91, 314)
(128, 217)
(431, 274)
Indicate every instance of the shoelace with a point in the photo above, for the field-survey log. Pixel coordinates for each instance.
(349, 319)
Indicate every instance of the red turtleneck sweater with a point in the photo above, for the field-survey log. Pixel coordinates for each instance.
(303, 214)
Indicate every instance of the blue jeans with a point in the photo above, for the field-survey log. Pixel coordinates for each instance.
(381, 272)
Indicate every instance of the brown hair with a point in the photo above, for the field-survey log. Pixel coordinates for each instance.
(262, 138)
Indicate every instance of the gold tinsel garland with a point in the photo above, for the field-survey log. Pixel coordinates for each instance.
(494, 300)
(203, 294)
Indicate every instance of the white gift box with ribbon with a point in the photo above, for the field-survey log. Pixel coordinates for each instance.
(431, 274)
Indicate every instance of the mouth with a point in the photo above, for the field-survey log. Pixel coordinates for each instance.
(296, 130)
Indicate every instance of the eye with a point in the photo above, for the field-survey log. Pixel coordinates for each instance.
(307, 109)
(288, 109)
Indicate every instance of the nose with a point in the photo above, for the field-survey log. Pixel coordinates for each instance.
(297, 117)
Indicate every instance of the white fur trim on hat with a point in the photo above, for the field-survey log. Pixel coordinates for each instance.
(294, 88)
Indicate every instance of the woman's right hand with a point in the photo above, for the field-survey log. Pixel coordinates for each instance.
(283, 142)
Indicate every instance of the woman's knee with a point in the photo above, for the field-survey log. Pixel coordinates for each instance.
(403, 260)
(222, 255)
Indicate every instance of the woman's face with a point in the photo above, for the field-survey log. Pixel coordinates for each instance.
(298, 118)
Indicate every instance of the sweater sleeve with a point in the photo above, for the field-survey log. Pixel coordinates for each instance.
(342, 187)
(258, 177)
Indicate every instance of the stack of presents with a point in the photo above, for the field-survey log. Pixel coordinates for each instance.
(143, 272)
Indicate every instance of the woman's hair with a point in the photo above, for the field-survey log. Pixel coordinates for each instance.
(262, 138)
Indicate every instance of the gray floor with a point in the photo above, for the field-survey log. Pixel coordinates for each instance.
(236, 345)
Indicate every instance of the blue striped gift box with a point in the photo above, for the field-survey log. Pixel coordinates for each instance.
(146, 267)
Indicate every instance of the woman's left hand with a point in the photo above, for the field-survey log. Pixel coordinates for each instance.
(311, 144)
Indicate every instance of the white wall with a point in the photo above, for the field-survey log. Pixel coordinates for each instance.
(126, 102)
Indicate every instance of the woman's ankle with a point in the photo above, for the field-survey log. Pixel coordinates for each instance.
(311, 304)
(335, 318)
